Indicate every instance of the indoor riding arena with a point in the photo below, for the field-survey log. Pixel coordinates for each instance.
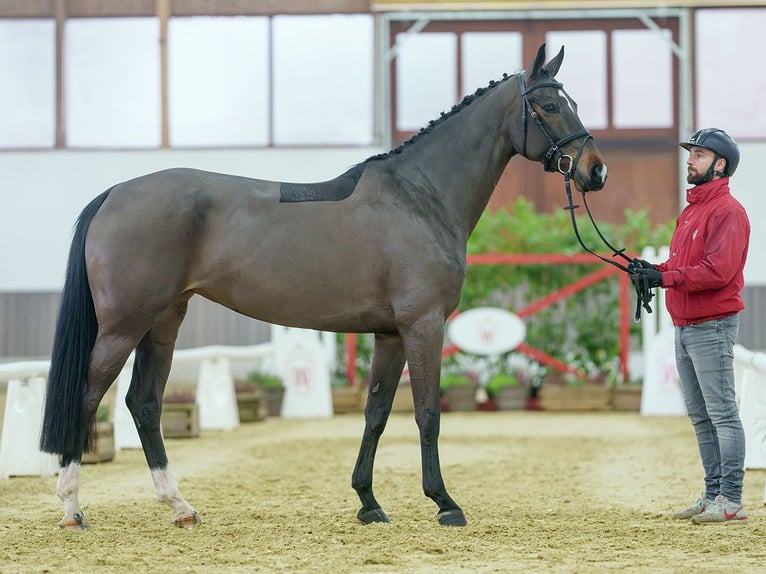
(543, 492)
(261, 259)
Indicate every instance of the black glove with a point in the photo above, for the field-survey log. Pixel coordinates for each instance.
(638, 264)
(650, 278)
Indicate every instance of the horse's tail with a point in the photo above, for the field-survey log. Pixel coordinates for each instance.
(76, 331)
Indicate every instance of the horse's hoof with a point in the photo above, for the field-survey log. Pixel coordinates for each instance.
(374, 515)
(75, 522)
(454, 517)
(188, 520)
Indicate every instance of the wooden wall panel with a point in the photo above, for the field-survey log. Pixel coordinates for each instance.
(637, 180)
(110, 8)
(26, 8)
(131, 8)
(28, 321)
(267, 7)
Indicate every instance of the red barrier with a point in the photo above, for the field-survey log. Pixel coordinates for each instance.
(570, 289)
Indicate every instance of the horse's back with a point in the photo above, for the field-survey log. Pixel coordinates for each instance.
(175, 183)
(179, 198)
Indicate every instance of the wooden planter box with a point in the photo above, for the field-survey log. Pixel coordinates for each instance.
(403, 402)
(349, 399)
(251, 406)
(273, 399)
(575, 397)
(512, 398)
(103, 449)
(626, 397)
(180, 420)
(459, 398)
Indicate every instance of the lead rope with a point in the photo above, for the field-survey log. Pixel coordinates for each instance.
(644, 293)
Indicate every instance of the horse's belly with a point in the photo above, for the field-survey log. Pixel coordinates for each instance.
(305, 303)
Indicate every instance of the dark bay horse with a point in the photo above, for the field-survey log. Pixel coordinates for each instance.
(380, 249)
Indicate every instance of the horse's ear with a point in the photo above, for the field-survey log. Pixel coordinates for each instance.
(553, 66)
(535, 68)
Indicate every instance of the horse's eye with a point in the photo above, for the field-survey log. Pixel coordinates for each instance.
(550, 108)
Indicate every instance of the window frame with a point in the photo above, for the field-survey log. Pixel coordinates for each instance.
(533, 32)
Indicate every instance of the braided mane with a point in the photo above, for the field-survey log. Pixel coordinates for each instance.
(466, 101)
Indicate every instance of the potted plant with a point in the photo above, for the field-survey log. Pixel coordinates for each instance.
(251, 402)
(508, 391)
(272, 389)
(458, 391)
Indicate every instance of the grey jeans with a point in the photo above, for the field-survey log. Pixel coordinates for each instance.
(705, 361)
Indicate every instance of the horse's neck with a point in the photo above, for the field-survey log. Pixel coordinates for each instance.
(463, 158)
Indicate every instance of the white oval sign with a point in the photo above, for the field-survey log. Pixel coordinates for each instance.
(486, 331)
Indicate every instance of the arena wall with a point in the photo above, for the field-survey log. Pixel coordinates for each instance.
(42, 193)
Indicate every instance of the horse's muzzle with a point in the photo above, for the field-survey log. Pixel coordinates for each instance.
(593, 179)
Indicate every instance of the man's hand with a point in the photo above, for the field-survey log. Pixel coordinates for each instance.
(638, 264)
(643, 277)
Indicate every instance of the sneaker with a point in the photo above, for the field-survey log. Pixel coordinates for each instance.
(721, 510)
(694, 509)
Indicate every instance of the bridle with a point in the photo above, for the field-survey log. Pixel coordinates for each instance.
(566, 165)
(554, 145)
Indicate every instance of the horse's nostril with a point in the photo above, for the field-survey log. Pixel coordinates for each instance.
(598, 172)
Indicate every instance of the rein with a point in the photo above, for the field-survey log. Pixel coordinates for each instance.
(644, 293)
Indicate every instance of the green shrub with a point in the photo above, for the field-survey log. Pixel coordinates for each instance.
(450, 380)
(102, 413)
(500, 381)
(264, 380)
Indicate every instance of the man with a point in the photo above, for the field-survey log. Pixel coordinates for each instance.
(704, 278)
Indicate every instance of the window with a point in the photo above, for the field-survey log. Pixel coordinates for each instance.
(323, 79)
(487, 56)
(643, 94)
(426, 74)
(112, 88)
(583, 72)
(218, 81)
(730, 78)
(27, 89)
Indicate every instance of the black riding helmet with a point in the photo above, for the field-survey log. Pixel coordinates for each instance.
(719, 142)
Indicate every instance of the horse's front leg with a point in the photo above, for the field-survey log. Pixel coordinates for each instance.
(423, 346)
(387, 365)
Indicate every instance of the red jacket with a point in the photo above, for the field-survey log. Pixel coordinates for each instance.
(703, 275)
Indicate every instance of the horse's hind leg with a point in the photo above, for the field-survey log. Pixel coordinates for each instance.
(107, 359)
(387, 365)
(423, 344)
(154, 356)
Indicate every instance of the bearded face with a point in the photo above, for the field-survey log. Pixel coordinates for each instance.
(700, 160)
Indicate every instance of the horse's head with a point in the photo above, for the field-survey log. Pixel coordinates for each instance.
(546, 127)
